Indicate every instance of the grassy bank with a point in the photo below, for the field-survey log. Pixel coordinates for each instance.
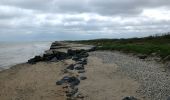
(159, 45)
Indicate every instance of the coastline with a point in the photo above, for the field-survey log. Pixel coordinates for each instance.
(108, 75)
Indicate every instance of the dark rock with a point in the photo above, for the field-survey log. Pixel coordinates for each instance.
(81, 71)
(35, 59)
(129, 98)
(71, 67)
(79, 67)
(75, 58)
(59, 82)
(82, 61)
(56, 54)
(167, 58)
(78, 53)
(142, 56)
(54, 44)
(72, 92)
(73, 81)
(54, 59)
(83, 77)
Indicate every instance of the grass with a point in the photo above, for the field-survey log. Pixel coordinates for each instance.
(160, 45)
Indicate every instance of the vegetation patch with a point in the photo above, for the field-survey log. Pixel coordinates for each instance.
(158, 45)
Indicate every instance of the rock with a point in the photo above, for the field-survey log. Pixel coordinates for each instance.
(72, 92)
(79, 67)
(75, 58)
(82, 61)
(54, 59)
(83, 77)
(129, 98)
(81, 71)
(35, 59)
(54, 44)
(59, 82)
(58, 55)
(142, 56)
(71, 67)
(167, 58)
(73, 81)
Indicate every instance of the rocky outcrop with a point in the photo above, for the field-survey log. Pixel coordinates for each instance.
(76, 52)
(71, 82)
(62, 50)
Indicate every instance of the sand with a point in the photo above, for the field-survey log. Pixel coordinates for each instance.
(105, 82)
(37, 82)
(31, 82)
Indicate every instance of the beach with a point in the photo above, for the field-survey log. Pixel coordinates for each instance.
(109, 75)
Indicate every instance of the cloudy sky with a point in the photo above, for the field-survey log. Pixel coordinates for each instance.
(82, 19)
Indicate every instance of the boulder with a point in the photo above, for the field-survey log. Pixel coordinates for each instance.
(35, 59)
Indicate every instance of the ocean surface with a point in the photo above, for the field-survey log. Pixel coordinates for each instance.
(12, 53)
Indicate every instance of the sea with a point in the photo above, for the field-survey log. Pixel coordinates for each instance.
(12, 53)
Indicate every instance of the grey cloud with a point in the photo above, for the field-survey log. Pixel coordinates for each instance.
(79, 19)
(109, 7)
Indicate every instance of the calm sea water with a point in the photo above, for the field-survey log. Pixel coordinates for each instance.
(19, 52)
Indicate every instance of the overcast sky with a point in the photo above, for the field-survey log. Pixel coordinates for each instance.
(82, 19)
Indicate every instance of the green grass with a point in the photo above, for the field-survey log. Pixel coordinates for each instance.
(148, 45)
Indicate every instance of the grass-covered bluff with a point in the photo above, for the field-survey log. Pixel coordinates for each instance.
(157, 45)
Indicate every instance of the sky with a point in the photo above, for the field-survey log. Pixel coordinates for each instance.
(34, 20)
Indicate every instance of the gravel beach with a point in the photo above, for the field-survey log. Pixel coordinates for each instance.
(154, 79)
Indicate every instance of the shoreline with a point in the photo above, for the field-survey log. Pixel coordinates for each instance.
(39, 78)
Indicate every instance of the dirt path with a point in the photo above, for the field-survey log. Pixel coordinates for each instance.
(31, 82)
